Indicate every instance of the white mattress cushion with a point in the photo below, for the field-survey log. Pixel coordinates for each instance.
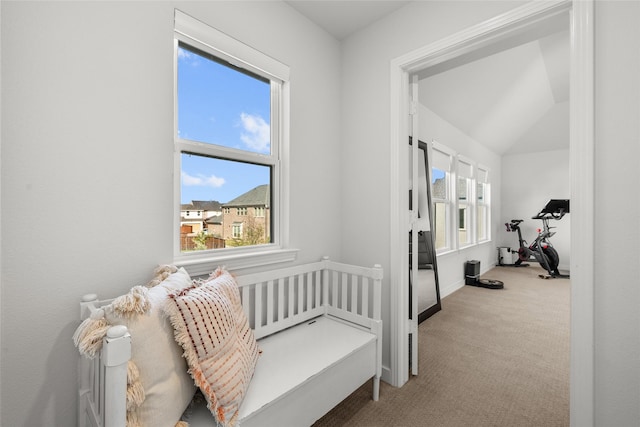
(293, 356)
(289, 359)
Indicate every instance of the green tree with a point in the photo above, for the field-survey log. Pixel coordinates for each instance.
(200, 241)
(252, 234)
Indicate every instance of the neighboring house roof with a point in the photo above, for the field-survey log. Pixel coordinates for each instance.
(202, 205)
(217, 219)
(259, 196)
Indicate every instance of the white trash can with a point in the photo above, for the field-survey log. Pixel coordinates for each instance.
(507, 256)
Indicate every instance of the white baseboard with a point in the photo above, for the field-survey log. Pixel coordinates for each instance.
(448, 290)
(386, 375)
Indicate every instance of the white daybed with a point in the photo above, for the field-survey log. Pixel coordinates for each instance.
(319, 329)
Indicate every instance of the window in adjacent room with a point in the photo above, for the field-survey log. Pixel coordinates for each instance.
(482, 204)
(441, 197)
(465, 202)
(461, 200)
(229, 139)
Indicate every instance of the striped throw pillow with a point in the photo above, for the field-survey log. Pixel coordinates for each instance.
(219, 346)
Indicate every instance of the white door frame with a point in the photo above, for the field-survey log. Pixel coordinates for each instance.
(582, 136)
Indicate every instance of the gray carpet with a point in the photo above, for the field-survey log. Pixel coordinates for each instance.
(489, 358)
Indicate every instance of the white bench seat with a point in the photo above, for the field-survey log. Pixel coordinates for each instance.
(320, 330)
(285, 372)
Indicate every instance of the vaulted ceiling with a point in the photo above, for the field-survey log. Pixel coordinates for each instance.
(513, 101)
(512, 97)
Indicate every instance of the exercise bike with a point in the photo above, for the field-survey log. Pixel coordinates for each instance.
(541, 250)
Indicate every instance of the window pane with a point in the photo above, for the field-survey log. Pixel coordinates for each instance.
(462, 218)
(480, 191)
(440, 225)
(222, 105)
(438, 181)
(463, 232)
(224, 203)
(462, 188)
(481, 222)
(482, 211)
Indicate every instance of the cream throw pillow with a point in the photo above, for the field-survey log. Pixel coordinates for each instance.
(168, 388)
(218, 343)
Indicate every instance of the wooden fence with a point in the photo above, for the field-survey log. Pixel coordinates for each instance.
(187, 243)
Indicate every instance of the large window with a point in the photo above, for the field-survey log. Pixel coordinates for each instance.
(482, 204)
(465, 202)
(229, 117)
(441, 197)
(461, 200)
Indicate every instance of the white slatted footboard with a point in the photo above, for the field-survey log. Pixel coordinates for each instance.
(278, 299)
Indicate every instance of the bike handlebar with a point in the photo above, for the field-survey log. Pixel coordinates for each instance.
(549, 215)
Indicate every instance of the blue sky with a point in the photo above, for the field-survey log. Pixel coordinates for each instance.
(436, 174)
(219, 105)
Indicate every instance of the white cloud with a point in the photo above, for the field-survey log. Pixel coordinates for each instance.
(188, 57)
(202, 180)
(257, 133)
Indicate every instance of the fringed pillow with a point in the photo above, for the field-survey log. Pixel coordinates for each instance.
(219, 345)
(159, 388)
(167, 387)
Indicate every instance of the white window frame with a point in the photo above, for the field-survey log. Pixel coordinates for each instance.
(465, 168)
(438, 149)
(237, 230)
(458, 166)
(483, 177)
(201, 36)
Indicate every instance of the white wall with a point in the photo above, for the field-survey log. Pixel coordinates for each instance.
(451, 273)
(617, 214)
(1, 289)
(87, 149)
(529, 180)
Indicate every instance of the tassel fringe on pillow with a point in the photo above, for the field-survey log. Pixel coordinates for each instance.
(133, 374)
(133, 303)
(88, 337)
(135, 395)
(160, 273)
(90, 333)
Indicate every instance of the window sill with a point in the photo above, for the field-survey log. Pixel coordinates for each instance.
(446, 252)
(204, 265)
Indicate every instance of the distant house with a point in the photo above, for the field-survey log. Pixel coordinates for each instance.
(247, 217)
(200, 216)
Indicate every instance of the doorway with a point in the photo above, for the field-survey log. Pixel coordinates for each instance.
(465, 43)
(504, 117)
